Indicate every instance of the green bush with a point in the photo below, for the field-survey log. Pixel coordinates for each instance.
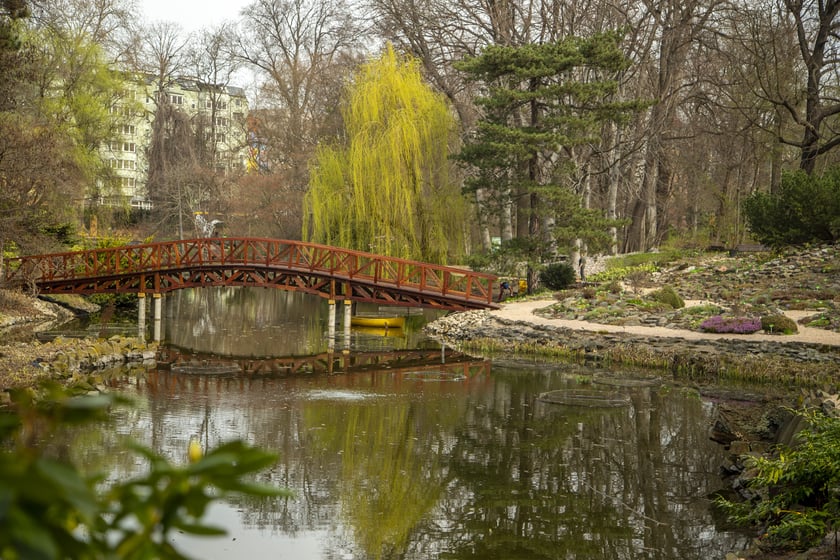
(806, 209)
(620, 273)
(49, 509)
(614, 287)
(667, 295)
(779, 324)
(800, 501)
(557, 276)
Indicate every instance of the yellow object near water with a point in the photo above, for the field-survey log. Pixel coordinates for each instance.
(378, 322)
(194, 451)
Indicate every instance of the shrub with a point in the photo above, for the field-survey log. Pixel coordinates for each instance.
(779, 324)
(620, 273)
(738, 325)
(799, 488)
(669, 296)
(614, 287)
(589, 293)
(806, 209)
(557, 276)
(637, 278)
(52, 510)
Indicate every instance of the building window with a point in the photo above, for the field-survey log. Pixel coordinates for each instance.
(113, 163)
(221, 121)
(118, 110)
(128, 146)
(128, 129)
(220, 137)
(176, 99)
(238, 102)
(127, 182)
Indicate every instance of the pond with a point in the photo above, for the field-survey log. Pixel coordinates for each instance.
(397, 448)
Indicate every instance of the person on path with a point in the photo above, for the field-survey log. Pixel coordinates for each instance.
(582, 268)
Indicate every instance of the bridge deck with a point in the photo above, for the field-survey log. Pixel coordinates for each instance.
(329, 272)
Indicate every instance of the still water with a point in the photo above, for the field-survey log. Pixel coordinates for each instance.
(397, 449)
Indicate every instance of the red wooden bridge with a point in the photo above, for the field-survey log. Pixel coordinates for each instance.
(330, 272)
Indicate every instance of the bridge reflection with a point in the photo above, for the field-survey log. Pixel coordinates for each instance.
(440, 364)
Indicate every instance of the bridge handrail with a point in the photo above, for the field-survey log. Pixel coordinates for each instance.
(313, 258)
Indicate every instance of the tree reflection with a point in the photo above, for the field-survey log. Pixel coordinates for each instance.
(391, 476)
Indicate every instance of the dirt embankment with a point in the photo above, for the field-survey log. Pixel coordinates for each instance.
(25, 362)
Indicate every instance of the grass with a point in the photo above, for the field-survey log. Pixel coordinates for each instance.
(684, 365)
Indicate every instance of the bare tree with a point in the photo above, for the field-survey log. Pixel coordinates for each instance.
(304, 48)
(211, 60)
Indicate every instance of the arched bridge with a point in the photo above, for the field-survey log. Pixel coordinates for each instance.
(330, 272)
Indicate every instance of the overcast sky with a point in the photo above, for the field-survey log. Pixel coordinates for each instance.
(192, 15)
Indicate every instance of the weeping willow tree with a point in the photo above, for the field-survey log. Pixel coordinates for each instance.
(387, 189)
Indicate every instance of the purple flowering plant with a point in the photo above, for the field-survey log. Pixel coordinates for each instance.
(737, 325)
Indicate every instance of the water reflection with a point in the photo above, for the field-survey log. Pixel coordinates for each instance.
(269, 322)
(395, 452)
(386, 465)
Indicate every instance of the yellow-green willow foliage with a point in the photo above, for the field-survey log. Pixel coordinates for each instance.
(388, 189)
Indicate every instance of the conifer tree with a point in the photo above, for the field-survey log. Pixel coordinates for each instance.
(387, 189)
(541, 102)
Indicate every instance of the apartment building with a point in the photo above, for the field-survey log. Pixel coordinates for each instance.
(127, 154)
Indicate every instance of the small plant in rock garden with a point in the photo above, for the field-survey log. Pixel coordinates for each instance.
(637, 279)
(779, 324)
(736, 325)
(588, 292)
(614, 287)
(668, 296)
(705, 309)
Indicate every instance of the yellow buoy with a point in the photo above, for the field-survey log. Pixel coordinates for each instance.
(194, 451)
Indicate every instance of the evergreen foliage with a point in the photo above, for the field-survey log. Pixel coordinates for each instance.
(779, 324)
(798, 488)
(388, 188)
(557, 276)
(806, 209)
(542, 101)
(667, 295)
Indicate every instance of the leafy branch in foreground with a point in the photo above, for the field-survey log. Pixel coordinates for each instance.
(798, 489)
(50, 510)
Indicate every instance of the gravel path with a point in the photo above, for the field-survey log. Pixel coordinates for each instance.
(524, 311)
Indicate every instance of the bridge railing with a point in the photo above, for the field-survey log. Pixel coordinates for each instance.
(195, 254)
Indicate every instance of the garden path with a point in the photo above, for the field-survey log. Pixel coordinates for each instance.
(524, 311)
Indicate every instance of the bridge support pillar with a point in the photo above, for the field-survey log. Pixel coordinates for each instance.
(331, 325)
(141, 315)
(348, 314)
(158, 315)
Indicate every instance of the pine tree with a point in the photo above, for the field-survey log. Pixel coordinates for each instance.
(542, 101)
(388, 188)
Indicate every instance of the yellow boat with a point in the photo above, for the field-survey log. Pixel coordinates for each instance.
(376, 331)
(378, 322)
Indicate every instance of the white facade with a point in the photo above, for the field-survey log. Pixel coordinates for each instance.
(127, 155)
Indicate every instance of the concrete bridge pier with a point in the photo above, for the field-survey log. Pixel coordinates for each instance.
(158, 316)
(141, 316)
(331, 326)
(348, 313)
